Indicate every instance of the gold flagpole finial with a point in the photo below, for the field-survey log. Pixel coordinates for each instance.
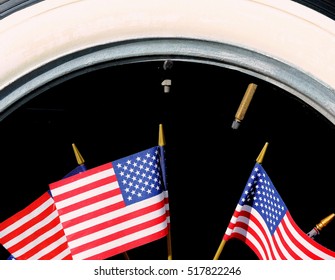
(79, 158)
(325, 221)
(161, 138)
(262, 154)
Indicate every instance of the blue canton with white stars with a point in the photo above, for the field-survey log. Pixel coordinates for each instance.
(139, 175)
(261, 195)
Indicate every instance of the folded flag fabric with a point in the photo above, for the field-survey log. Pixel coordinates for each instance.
(35, 233)
(114, 207)
(163, 168)
(262, 220)
(80, 168)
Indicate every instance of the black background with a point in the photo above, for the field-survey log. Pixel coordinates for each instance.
(116, 111)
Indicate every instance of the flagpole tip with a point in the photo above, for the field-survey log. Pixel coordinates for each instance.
(79, 158)
(325, 221)
(161, 138)
(262, 154)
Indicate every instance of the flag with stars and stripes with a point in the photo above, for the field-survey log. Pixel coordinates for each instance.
(262, 220)
(36, 233)
(114, 207)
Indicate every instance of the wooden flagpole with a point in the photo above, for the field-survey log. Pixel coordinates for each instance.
(80, 161)
(258, 160)
(219, 250)
(161, 143)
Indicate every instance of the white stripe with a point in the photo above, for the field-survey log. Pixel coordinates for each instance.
(286, 238)
(83, 196)
(62, 255)
(31, 230)
(38, 240)
(26, 218)
(119, 242)
(252, 239)
(81, 182)
(116, 228)
(282, 248)
(49, 248)
(264, 226)
(90, 208)
(306, 244)
(255, 228)
(114, 214)
(290, 244)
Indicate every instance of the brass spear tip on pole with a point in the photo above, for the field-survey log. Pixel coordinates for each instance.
(79, 158)
(325, 221)
(262, 154)
(161, 138)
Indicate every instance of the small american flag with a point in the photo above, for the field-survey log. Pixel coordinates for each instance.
(114, 207)
(35, 233)
(262, 220)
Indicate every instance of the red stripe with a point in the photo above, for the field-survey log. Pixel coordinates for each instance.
(278, 244)
(279, 251)
(265, 236)
(93, 214)
(231, 224)
(29, 224)
(30, 208)
(297, 242)
(251, 231)
(89, 201)
(78, 176)
(117, 235)
(33, 221)
(115, 221)
(32, 236)
(126, 247)
(40, 246)
(54, 253)
(85, 188)
(286, 246)
(308, 239)
(243, 238)
(68, 257)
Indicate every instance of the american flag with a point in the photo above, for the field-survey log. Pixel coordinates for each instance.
(114, 207)
(35, 233)
(262, 220)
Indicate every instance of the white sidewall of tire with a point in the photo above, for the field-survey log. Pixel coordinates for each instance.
(283, 30)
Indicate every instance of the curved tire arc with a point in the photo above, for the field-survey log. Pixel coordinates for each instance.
(284, 43)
